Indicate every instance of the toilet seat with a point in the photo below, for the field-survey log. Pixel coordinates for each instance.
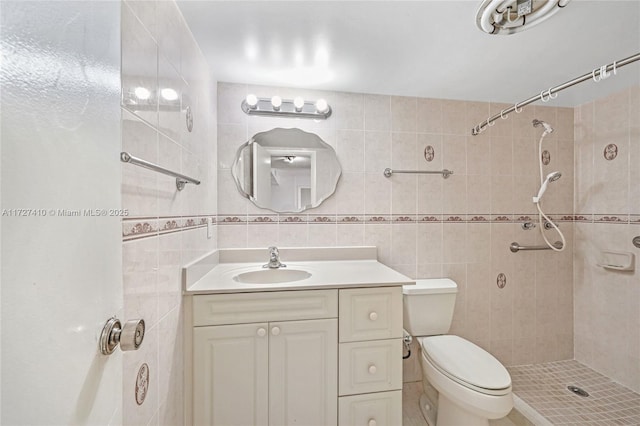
(466, 364)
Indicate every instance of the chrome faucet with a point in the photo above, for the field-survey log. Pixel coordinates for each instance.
(274, 259)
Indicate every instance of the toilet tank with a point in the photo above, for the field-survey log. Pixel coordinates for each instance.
(428, 306)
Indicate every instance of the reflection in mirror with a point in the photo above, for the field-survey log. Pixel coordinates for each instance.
(286, 170)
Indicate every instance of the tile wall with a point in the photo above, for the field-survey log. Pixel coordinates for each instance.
(425, 226)
(607, 206)
(165, 228)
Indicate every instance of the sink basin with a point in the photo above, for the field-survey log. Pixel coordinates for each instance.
(271, 276)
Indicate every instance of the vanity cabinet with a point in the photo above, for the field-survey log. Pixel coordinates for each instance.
(306, 357)
(370, 357)
(280, 371)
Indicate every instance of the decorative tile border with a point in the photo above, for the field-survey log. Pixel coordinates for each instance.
(181, 223)
(378, 219)
(322, 219)
(621, 219)
(430, 218)
(583, 217)
(350, 219)
(231, 220)
(263, 219)
(139, 228)
(135, 228)
(401, 218)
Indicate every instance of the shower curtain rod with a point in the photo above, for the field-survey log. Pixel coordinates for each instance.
(592, 75)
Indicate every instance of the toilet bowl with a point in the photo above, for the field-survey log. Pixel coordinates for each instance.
(472, 386)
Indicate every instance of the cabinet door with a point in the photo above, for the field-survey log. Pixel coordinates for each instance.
(303, 373)
(230, 375)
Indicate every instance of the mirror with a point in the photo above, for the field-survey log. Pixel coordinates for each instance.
(286, 170)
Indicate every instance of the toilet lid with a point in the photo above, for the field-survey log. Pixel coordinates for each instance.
(466, 363)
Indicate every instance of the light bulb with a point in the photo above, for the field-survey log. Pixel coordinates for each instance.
(169, 94)
(298, 103)
(142, 93)
(252, 100)
(321, 105)
(276, 102)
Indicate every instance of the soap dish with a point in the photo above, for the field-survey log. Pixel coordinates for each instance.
(617, 260)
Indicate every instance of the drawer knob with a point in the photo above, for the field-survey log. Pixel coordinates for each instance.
(261, 332)
(373, 369)
(275, 331)
(373, 316)
(372, 422)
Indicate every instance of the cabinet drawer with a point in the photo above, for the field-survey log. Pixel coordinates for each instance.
(239, 308)
(376, 409)
(370, 314)
(370, 366)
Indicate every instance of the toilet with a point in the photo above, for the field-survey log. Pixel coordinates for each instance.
(463, 384)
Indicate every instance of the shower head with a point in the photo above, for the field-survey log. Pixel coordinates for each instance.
(547, 128)
(554, 176)
(551, 177)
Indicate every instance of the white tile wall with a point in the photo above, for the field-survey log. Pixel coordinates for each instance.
(607, 303)
(165, 228)
(495, 176)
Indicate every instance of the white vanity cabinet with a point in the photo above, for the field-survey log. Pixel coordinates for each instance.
(282, 370)
(370, 357)
(306, 357)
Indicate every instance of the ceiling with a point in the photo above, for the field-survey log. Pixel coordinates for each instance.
(414, 48)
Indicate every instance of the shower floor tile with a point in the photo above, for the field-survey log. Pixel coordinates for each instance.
(543, 387)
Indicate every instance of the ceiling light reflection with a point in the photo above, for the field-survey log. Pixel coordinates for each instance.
(169, 94)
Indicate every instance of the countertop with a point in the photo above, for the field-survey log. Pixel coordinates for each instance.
(335, 267)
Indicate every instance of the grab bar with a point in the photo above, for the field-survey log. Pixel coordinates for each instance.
(515, 247)
(445, 173)
(181, 180)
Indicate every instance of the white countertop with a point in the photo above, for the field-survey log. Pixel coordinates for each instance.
(329, 268)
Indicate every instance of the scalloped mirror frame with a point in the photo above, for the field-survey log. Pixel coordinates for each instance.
(293, 152)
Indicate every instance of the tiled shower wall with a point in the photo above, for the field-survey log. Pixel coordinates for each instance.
(425, 226)
(607, 205)
(165, 228)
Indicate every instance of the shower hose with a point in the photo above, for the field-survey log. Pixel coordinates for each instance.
(541, 214)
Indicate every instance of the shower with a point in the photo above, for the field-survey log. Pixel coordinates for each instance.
(547, 128)
(544, 183)
(551, 177)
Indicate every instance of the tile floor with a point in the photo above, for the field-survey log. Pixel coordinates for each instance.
(543, 388)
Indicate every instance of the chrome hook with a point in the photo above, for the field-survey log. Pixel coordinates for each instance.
(593, 76)
(542, 97)
(516, 109)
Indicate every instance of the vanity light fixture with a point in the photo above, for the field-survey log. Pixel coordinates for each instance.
(252, 101)
(276, 102)
(321, 105)
(298, 107)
